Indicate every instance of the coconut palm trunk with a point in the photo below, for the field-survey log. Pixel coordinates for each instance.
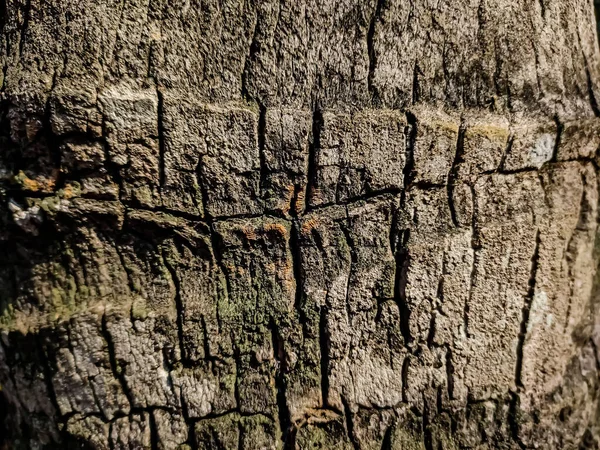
(299, 224)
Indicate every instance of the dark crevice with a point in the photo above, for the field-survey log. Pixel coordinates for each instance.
(371, 50)
(415, 83)
(154, 440)
(353, 261)
(559, 134)
(449, 373)
(118, 372)
(262, 124)
(411, 136)
(431, 332)
(252, 51)
(297, 271)
(180, 308)
(427, 435)
(386, 444)
(113, 169)
(402, 264)
(476, 247)
(597, 17)
(526, 310)
(324, 344)
(596, 354)
(350, 424)
(205, 341)
(571, 249)
(311, 182)
(203, 190)
(453, 174)
(47, 374)
(405, 367)
(590, 87)
(359, 198)
(514, 419)
(507, 151)
(161, 139)
(24, 26)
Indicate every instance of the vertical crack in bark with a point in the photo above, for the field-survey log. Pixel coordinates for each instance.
(409, 164)
(128, 271)
(453, 174)
(449, 372)
(154, 440)
(526, 310)
(353, 260)
(117, 371)
(590, 85)
(543, 8)
(236, 393)
(350, 424)
(161, 139)
(297, 272)
(375, 99)
(476, 247)
(215, 241)
(571, 253)
(113, 170)
(386, 444)
(415, 83)
(427, 435)
(203, 190)
(436, 304)
(206, 340)
(507, 151)
(24, 26)
(314, 146)
(262, 124)
(405, 367)
(324, 344)
(179, 307)
(252, 51)
(279, 357)
(402, 257)
(597, 18)
(47, 374)
(514, 419)
(559, 134)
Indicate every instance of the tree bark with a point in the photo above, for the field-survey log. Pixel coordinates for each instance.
(278, 224)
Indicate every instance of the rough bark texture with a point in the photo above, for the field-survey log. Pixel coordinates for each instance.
(240, 224)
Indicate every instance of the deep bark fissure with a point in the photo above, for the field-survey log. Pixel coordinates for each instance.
(313, 149)
(262, 124)
(525, 312)
(350, 424)
(117, 371)
(161, 139)
(375, 18)
(24, 26)
(402, 257)
(453, 173)
(324, 355)
(179, 307)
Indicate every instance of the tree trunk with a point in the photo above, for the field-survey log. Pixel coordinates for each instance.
(299, 224)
